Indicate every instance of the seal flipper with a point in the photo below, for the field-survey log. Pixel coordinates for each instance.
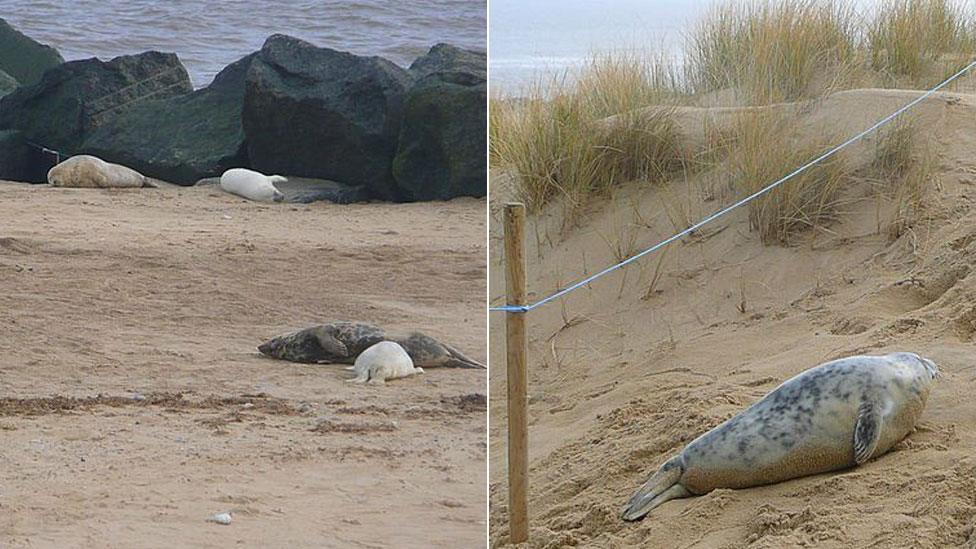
(333, 348)
(867, 431)
(458, 360)
(662, 486)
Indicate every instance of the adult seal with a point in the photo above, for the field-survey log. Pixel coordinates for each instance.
(335, 343)
(342, 342)
(837, 415)
(91, 172)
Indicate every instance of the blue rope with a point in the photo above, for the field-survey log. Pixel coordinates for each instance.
(716, 215)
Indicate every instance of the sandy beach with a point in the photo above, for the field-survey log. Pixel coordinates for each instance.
(628, 370)
(134, 404)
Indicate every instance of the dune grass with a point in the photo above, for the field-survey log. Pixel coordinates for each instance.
(772, 51)
(581, 135)
(894, 152)
(555, 140)
(920, 42)
(900, 173)
(765, 147)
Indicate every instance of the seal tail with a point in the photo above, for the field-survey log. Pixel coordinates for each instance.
(662, 486)
(458, 360)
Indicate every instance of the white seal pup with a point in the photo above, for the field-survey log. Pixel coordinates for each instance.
(91, 172)
(384, 360)
(252, 185)
(836, 415)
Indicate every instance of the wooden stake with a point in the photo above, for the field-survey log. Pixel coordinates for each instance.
(518, 462)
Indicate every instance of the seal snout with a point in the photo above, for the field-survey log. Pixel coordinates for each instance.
(267, 348)
(931, 367)
(662, 486)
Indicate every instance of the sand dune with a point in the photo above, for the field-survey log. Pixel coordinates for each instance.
(619, 383)
(134, 404)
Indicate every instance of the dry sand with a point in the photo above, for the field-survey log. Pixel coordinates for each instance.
(618, 383)
(134, 404)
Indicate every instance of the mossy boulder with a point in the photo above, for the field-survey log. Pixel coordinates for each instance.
(24, 58)
(322, 113)
(441, 152)
(7, 83)
(73, 99)
(181, 139)
(21, 161)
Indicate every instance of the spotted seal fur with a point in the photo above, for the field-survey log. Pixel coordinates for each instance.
(342, 342)
(837, 415)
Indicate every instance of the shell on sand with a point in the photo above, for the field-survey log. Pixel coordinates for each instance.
(90, 172)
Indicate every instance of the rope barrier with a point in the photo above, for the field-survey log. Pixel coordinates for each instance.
(45, 150)
(742, 202)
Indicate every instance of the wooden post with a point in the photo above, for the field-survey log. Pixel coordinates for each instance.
(518, 462)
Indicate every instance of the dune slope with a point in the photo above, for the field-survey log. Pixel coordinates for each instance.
(624, 373)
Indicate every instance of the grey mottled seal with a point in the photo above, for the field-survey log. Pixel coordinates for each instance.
(342, 342)
(836, 415)
(336, 343)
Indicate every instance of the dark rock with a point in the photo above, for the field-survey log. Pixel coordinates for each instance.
(441, 152)
(24, 58)
(74, 98)
(447, 58)
(184, 138)
(7, 83)
(20, 161)
(318, 112)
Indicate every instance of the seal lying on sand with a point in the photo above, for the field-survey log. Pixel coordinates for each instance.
(85, 171)
(836, 415)
(337, 343)
(342, 342)
(383, 361)
(252, 185)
